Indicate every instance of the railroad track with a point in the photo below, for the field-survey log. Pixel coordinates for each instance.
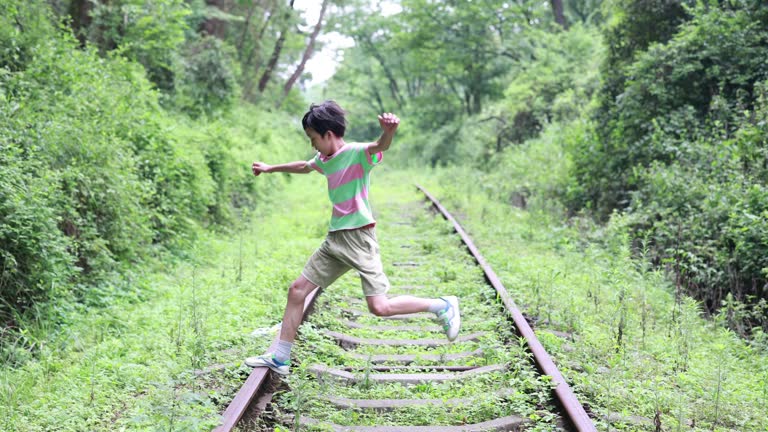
(353, 371)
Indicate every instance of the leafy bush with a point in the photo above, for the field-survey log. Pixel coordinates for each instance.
(34, 260)
(709, 222)
(682, 148)
(72, 100)
(555, 86)
(96, 174)
(207, 79)
(23, 24)
(703, 77)
(149, 32)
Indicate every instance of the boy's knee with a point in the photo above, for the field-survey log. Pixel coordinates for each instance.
(298, 291)
(380, 309)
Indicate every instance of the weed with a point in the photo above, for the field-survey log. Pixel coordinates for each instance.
(446, 274)
(366, 382)
(429, 247)
(239, 276)
(680, 413)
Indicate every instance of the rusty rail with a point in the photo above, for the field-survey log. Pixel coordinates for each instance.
(564, 394)
(257, 380)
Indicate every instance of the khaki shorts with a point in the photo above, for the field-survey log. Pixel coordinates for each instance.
(344, 250)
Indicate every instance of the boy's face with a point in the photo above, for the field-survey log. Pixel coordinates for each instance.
(323, 144)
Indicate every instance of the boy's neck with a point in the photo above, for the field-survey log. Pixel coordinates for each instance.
(336, 145)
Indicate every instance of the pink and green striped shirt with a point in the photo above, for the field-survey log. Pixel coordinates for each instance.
(348, 174)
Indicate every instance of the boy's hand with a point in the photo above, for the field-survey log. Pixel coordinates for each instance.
(388, 122)
(260, 167)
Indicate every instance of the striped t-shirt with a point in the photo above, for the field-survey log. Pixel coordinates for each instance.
(348, 174)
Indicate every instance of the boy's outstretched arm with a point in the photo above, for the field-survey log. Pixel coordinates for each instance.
(298, 167)
(388, 123)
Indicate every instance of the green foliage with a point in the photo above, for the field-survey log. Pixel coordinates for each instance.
(698, 83)
(536, 173)
(553, 87)
(59, 96)
(434, 63)
(28, 203)
(98, 176)
(23, 24)
(467, 95)
(149, 32)
(206, 83)
(270, 38)
(680, 149)
(633, 27)
(712, 234)
(587, 12)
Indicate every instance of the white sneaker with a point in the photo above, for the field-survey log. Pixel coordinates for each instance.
(451, 317)
(269, 360)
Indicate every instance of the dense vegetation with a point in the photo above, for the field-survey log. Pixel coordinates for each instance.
(652, 110)
(120, 136)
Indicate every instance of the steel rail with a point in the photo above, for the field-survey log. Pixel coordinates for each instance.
(257, 380)
(564, 394)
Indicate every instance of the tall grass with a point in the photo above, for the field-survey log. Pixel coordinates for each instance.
(637, 344)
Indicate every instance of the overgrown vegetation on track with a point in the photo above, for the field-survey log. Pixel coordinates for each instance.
(423, 257)
(169, 356)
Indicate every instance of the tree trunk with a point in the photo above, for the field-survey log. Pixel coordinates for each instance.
(246, 26)
(394, 89)
(275, 52)
(214, 26)
(272, 62)
(257, 40)
(80, 10)
(557, 11)
(377, 96)
(307, 52)
(256, 51)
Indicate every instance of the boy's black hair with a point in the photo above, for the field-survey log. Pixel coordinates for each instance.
(328, 116)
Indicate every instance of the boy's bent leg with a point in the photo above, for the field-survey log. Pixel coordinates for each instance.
(446, 309)
(367, 262)
(380, 305)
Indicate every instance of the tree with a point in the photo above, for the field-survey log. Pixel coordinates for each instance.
(273, 59)
(557, 12)
(585, 11)
(445, 57)
(213, 24)
(80, 12)
(307, 52)
(636, 27)
(252, 40)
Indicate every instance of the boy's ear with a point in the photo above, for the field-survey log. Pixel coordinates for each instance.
(327, 133)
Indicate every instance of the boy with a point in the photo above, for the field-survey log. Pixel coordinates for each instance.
(351, 241)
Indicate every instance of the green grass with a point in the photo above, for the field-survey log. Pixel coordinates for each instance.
(637, 348)
(130, 365)
(409, 232)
